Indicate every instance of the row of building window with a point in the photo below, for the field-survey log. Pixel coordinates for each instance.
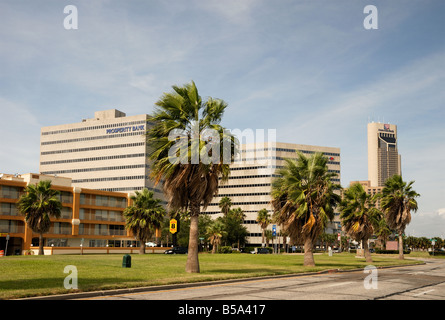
(123, 189)
(291, 150)
(275, 158)
(103, 201)
(245, 185)
(105, 126)
(123, 156)
(243, 194)
(8, 192)
(243, 203)
(114, 146)
(133, 166)
(265, 176)
(111, 179)
(102, 229)
(109, 136)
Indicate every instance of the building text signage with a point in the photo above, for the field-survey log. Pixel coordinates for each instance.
(126, 129)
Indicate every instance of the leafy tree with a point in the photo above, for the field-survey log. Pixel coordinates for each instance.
(144, 216)
(304, 198)
(236, 233)
(397, 201)
(184, 143)
(39, 203)
(263, 219)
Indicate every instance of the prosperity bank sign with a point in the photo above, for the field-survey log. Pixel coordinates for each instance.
(126, 129)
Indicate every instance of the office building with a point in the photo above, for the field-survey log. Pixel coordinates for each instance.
(383, 158)
(250, 181)
(107, 152)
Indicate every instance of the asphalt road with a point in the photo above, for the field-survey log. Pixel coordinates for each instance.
(421, 282)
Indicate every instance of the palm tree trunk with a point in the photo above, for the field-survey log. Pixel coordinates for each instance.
(366, 250)
(142, 247)
(262, 239)
(192, 264)
(41, 253)
(308, 253)
(401, 256)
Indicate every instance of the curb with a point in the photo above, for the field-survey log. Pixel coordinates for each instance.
(91, 294)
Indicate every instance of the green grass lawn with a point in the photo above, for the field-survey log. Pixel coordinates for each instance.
(24, 276)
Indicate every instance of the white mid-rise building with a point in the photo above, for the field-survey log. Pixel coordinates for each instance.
(107, 152)
(250, 182)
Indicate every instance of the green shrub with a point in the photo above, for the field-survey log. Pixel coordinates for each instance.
(391, 251)
(437, 253)
(225, 249)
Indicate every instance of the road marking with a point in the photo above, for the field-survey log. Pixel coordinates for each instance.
(341, 284)
(418, 272)
(424, 292)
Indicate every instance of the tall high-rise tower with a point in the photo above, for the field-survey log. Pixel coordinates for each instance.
(383, 158)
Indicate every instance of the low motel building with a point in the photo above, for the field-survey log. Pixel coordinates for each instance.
(91, 220)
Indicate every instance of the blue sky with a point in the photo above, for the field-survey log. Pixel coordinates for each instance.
(306, 68)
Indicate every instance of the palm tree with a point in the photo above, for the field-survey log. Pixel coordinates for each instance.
(397, 201)
(263, 219)
(144, 216)
(39, 203)
(303, 199)
(359, 215)
(382, 231)
(190, 153)
(225, 203)
(215, 232)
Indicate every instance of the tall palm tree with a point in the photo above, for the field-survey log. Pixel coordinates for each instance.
(359, 215)
(263, 218)
(39, 203)
(382, 231)
(191, 152)
(225, 204)
(144, 216)
(304, 198)
(397, 201)
(215, 232)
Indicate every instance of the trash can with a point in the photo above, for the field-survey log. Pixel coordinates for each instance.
(126, 261)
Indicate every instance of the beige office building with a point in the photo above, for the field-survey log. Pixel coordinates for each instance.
(107, 152)
(249, 185)
(383, 158)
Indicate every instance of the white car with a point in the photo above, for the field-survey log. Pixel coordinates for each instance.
(150, 244)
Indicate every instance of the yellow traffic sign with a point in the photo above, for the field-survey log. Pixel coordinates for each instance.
(173, 226)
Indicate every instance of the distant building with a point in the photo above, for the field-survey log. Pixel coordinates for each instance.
(89, 218)
(250, 182)
(371, 190)
(107, 152)
(384, 160)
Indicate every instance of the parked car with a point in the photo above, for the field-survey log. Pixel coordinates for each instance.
(176, 250)
(260, 251)
(150, 244)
